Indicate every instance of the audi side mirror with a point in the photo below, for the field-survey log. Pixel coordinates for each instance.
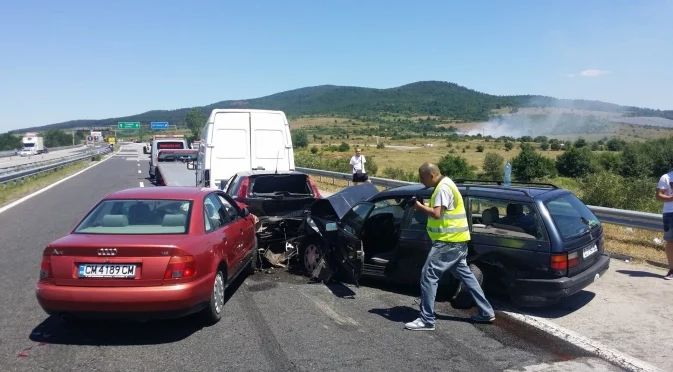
(245, 212)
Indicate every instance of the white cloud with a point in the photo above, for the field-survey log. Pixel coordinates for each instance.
(589, 73)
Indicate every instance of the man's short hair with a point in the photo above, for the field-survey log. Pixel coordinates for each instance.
(429, 168)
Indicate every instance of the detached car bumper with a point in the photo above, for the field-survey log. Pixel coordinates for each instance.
(162, 301)
(550, 291)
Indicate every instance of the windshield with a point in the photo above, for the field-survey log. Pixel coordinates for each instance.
(571, 216)
(137, 217)
(170, 145)
(28, 144)
(281, 184)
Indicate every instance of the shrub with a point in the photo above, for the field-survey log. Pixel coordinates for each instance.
(508, 146)
(299, 138)
(614, 191)
(529, 165)
(480, 148)
(576, 163)
(455, 166)
(494, 166)
(314, 150)
(399, 174)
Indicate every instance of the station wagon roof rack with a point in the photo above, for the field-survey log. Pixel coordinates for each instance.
(500, 182)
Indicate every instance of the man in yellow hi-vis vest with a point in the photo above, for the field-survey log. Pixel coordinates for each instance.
(449, 232)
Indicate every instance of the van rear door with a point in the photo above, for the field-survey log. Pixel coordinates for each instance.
(270, 146)
(231, 133)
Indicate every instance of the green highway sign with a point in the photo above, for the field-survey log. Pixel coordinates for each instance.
(128, 125)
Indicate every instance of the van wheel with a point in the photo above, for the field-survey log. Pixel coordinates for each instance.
(213, 312)
(462, 298)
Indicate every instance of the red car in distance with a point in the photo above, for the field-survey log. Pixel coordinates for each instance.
(148, 253)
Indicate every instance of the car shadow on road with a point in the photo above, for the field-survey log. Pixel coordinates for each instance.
(122, 332)
(563, 308)
(640, 274)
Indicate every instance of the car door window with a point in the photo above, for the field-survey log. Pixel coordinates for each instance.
(513, 219)
(354, 219)
(229, 209)
(215, 213)
(419, 221)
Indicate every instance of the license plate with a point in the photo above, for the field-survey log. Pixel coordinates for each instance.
(589, 251)
(107, 271)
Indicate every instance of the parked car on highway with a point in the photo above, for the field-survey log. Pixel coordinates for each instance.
(150, 253)
(538, 242)
(281, 200)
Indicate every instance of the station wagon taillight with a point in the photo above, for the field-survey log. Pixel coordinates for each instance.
(564, 261)
(243, 190)
(316, 192)
(180, 267)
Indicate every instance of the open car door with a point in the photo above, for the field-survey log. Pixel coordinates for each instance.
(348, 251)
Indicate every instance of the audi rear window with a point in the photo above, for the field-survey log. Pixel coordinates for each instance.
(137, 217)
(281, 184)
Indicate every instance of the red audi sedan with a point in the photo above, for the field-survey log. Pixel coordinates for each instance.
(148, 253)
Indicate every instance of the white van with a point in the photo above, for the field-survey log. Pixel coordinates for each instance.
(235, 140)
(164, 142)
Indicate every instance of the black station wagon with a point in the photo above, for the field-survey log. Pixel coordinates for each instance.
(537, 241)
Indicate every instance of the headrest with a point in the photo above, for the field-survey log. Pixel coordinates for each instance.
(514, 209)
(115, 220)
(174, 220)
(489, 216)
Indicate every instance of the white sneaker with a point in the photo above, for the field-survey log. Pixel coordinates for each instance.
(419, 325)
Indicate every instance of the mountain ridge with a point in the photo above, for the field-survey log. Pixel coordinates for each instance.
(422, 98)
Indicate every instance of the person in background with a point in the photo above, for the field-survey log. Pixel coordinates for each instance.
(665, 195)
(448, 229)
(358, 162)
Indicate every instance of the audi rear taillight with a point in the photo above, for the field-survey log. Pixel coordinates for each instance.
(180, 267)
(45, 269)
(316, 192)
(245, 187)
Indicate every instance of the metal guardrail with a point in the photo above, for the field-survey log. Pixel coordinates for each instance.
(39, 163)
(15, 176)
(623, 217)
(4, 154)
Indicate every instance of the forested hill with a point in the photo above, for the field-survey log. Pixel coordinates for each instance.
(425, 98)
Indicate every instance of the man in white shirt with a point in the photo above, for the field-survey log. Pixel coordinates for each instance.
(358, 162)
(665, 194)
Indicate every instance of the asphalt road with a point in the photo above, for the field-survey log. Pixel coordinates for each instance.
(273, 322)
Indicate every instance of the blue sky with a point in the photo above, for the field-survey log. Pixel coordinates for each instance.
(94, 59)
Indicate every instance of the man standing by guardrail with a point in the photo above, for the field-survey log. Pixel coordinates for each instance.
(449, 232)
(357, 163)
(665, 194)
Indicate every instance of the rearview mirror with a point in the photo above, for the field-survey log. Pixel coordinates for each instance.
(190, 165)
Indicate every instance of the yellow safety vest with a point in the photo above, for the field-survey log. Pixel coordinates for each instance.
(452, 225)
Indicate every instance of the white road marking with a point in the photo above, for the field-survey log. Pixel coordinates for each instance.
(138, 164)
(19, 201)
(142, 184)
(337, 318)
(138, 170)
(594, 347)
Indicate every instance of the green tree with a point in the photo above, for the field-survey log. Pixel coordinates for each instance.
(636, 162)
(508, 145)
(455, 166)
(544, 146)
(195, 121)
(530, 165)
(494, 166)
(299, 138)
(581, 142)
(575, 163)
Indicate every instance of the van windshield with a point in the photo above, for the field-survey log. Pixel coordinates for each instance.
(571, 217)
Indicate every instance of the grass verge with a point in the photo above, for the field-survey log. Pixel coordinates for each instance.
(17, 189)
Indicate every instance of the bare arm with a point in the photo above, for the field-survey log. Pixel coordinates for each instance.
(661, 196)
(435, 212)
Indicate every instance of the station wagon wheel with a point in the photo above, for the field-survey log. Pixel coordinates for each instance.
(311, 255)
(213, 312)
(462, 297)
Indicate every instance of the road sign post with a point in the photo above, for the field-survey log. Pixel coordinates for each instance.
(159, 125)
(128, 125)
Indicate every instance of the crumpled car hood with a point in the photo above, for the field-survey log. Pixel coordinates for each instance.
(337, 205)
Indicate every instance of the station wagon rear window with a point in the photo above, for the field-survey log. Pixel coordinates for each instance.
(571, 217)
(170, 145)
(137, 217)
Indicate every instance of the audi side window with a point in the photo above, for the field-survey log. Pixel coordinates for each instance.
(229, 209)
